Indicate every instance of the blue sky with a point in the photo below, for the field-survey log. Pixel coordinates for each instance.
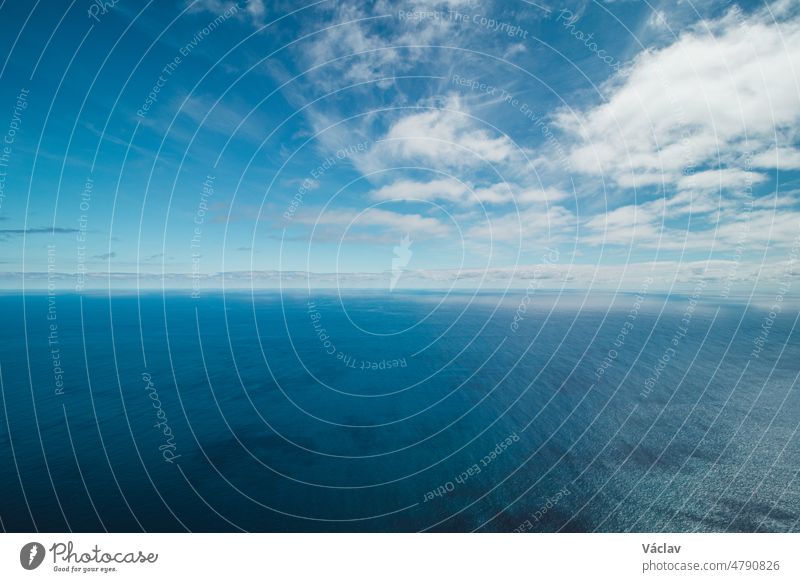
(579, 144)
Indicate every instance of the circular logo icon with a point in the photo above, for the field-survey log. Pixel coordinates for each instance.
(31, 555)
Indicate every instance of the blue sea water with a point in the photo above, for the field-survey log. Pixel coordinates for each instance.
(372, 411)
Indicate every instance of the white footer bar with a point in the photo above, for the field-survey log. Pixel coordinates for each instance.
(406, 557)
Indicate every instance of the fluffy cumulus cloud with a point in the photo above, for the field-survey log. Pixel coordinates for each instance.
(723, 95)
(705, 121)
(448, 136)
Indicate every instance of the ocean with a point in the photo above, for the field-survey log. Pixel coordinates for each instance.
(402, 411)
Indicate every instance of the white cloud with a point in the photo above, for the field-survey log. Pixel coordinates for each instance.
(674, 275)
(734, 226)
(728, 178)
(541, 195)
(528, 228)
(443, 189)
(446, 137)
(254, 10)
(658, 20)
(335, 223)
(451, 190)
(723, 88)
(627, 225)
(368, 55)
(701, 118)
(359, 43)
(781, 158)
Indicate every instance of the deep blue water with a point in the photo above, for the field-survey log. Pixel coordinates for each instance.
(514, 428)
